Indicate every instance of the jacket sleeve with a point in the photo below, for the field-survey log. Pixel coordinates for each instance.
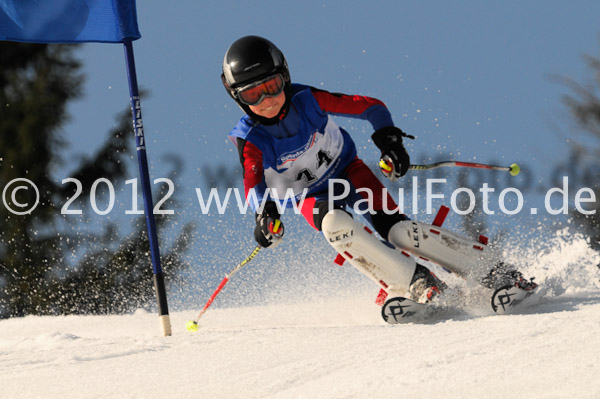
(354, 106)
(251, 160)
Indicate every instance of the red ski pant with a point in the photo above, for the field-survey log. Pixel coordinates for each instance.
(359, 176)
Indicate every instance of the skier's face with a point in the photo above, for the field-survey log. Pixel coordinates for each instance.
(269, 107)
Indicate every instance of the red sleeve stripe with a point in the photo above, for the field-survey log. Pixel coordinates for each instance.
(251, 158)
(344, 104)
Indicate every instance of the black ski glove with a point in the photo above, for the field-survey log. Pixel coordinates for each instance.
(394, 160)
(269, 228)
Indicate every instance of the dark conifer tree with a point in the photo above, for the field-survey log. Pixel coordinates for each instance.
(38, 275)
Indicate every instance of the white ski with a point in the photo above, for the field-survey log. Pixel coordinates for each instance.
(399, 310)
(507, 298)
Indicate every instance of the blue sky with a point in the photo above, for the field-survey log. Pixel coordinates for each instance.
(471, 77)
(473, 80)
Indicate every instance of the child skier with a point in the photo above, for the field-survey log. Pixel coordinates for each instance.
(287, 140)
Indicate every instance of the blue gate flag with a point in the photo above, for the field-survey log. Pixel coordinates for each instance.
(68, 21)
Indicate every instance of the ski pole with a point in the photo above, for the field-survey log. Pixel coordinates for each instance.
(193, 325)
(513, 169)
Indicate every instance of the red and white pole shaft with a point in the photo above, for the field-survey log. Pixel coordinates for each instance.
(193, 325)
(387, 166)
(513, 169)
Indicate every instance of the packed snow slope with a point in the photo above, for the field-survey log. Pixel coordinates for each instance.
(336, 347)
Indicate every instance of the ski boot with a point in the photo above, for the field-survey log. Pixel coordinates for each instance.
(425, 286)
(503, 275)
(511, 290)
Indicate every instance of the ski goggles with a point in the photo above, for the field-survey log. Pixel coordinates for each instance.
(255, 92)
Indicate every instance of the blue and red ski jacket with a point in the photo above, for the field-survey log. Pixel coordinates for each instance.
(306, 148)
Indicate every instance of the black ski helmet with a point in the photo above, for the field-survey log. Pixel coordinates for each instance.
(250, 59)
